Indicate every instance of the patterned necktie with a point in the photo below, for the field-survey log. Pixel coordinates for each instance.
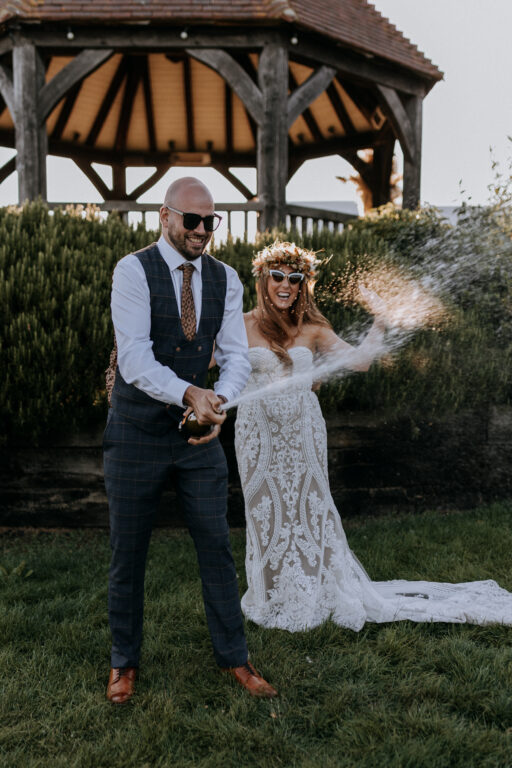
(188, 310)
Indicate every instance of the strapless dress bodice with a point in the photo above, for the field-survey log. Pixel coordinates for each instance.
(267, 368)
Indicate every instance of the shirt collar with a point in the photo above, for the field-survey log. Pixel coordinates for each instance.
(173, 259)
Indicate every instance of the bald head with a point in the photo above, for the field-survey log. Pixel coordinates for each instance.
(188, 188)
(187, 195)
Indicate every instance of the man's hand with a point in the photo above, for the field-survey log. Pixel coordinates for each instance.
(206, 406)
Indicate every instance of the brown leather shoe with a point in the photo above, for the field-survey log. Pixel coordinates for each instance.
(247, 676)
(121, 685)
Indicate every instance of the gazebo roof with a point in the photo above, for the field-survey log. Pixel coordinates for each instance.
(352, 23)
(224, 83)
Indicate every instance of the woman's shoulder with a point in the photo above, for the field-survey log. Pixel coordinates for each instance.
(251, 327)
(250, 317)
(319, 336)
(317, 331)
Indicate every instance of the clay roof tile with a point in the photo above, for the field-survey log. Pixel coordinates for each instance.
(353, 23)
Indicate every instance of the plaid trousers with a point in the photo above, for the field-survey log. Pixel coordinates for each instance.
(137, 465)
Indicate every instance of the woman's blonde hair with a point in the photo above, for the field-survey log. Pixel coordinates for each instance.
(278, 328)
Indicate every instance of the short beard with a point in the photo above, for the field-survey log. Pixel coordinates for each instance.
(187, 256)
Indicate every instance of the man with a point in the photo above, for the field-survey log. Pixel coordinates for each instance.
(170, 302)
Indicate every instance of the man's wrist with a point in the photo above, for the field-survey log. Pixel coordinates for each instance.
(187, 395)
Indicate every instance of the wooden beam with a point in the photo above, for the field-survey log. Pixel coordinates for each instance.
(65, 112)
(132, 157)
(360, 69)
(233, 74)
(340, 109)
(125, 114)
(272, 153)
(364, 98)
(31, 137)
(307, 114)
(7, 137)
(338, 145)
(245, 62)
(78, 69)
(189, 104)
(150, 182)
(106, 104)
(148, 101)
(312, 212)
(412, 168)
(6, 45)
(119, 181)
(395, 111)
(235, 181)
(382, 168)
(61, 148)
(7, 89)
(129, 205)
(308, 91)
(363, 168)
(7, 168)
(149, 39)
(93, 177)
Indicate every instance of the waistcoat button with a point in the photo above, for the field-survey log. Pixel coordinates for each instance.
(178, 349)
(199, 348)
(194, 376)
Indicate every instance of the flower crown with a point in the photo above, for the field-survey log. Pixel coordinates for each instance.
(288, 254)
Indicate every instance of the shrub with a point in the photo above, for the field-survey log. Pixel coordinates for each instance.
(56, 334)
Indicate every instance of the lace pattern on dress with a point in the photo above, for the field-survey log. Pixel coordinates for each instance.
(300, 569)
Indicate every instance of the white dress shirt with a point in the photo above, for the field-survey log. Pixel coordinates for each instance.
(131, 316)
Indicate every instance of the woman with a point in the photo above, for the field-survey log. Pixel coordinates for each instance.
(300, 569)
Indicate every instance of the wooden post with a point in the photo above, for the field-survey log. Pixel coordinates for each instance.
(119, 186)
(412, 166)
(381, 176)
(31, 137)
(272, 152)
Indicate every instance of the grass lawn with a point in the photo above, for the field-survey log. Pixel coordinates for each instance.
(392, 695)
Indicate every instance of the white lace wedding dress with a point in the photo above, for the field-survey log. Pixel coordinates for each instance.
(300, 569)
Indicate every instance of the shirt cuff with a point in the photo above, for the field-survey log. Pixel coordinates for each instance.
(225, 393)
(179, 388)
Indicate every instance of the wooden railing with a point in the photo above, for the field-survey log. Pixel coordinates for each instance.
(311, 217)
(300, 217)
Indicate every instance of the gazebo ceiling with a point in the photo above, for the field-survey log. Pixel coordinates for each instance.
(153, 108)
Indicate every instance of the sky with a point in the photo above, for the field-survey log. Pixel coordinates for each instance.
(465, 116)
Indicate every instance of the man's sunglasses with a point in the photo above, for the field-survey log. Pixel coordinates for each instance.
(192, 220)
(293, 278)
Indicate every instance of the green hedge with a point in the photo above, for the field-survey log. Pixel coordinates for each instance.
(56, 334)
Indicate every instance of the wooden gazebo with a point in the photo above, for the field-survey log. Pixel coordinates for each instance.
(221, 83)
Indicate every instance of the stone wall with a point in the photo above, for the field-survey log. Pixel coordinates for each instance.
(376, 464)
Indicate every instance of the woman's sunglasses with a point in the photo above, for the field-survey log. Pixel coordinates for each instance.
(293, 278)
(192, 220)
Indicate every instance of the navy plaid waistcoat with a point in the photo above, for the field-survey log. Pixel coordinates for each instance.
(188, 359)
